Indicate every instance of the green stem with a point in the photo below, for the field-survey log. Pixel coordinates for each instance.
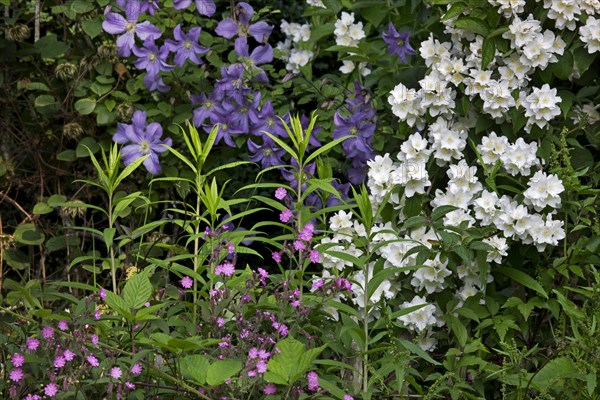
(366, 330)
(113, 266)
(196, 250)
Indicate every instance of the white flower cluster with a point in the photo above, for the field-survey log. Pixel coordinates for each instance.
(348, 33)
(290, 49)
(590, 34)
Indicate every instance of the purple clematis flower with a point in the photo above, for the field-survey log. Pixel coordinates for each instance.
(260, 55)
(269, 154)
(226, 128)
(185, 46)
(208, 106)
(291, 175)
(144, 140)
(232, 84)
(155, 82)
(360, 130)
(204, 7)
(152, 58)
(116, 24)
(266, 120)
(229, 27)
(398, 43)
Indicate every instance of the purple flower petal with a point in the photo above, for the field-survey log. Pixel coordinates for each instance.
(260, 31)
(227, 28)
(114, 24)
(262, 54)
(206, 7)
(181, 4)
(146, 30)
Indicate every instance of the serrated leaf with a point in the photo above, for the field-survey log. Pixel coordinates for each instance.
(196, 367)
(137, 290)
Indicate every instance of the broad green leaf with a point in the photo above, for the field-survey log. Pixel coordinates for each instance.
(92, 27)
(42, 208)
(458, 329)
(474, 25)
(558, 368)
(455, 10)
(222, 370)
(118, 305)
(28, 234)
(16, 258)
(85, 106)
(137, 290)
(195, 367)
(44, 100)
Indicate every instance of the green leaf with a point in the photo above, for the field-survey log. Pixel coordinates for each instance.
(474, 25)
(523, 279)
(583, 59)
(42, 208)
(44, 100)
(454, 11)
(556, 369)
(28, 234)
(85, 144)
(67, 155)
(222, 370)
(282, 367)
(440, 211)
(92, 27)
(195, 367)
(50, 47)
(125, 202)
(413, 348)
(85, 106)
(458, 329)
(137, 290)
(563, 68)
(488, 51)
(117, 304)
(16, 258)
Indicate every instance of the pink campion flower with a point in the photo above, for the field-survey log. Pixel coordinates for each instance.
(16, 375)
(115, 372)
(62, 325)
(270, 388)
(47, 332)
(97, 314)
(285, 216)
(263, 354)
(348, 397)
(68, 355)
(102, 293)
(283, 330)
(94, 339)
(187, 282)
(17, 360)
(307, 232)
(295, 303)
(314, 256)
(130, 385)
(136, 369)
(276, 256)
(59, 362)
(32, 397)
(252, 373)
(32, 343)
(299, 245)
(226, 269)
(280, 193)
(317, 284)
(230, 248)
(50, 390)
(253, 353)
(93, 360)
(261, 366)
(220, 322)
(313, 381)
